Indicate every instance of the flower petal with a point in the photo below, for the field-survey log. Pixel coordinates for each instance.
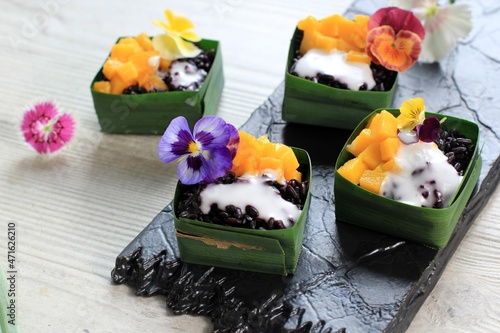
(187, 49)
(170, 17)
(181, 24)
(397, 18)
(173, 47)
(211, 132)
(65, 128)
(164, 26)
(190, 36)
(193, 169)
(45, 130)
(444, 29)
(396, 53)
(175, 141)
(220, 162)
(412, 113)
(234, 139)
(429, 130)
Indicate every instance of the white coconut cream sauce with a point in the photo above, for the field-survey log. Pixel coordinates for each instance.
(353, 74)
(425, 176)
(253, 191)
(185, 74)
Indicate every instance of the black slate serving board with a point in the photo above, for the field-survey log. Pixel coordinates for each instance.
(349, 279)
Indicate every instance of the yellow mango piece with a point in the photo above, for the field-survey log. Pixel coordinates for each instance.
(371, 155)
(297, 175)
(329, 26)
(142, 63)
(353, 169)
(391, 166)
(145, 42)
(127, 72)
(271, 163)
(384, 126)
(110, 66)
(165, 64)
(257, 155)
(335, 32)
(360, 143)
(326, 43)
(309, 26)
(372, 180)
(153, 82)
(124, 51)
(310, 23)
(128, 40)
(372, 120)
(357, 56)
(102, 86)
(345, 27)
(118, 85)
(389, 148)
(360, 31)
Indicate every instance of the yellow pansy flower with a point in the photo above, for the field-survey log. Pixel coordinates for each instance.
(412, 113)
(177, 41)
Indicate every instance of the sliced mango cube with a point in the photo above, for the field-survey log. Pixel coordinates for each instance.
(384, 126)
(110, 66)
(102, 86)
(127, 72)
(145, 42)
(371, 155)
(389, 148)
(372, 180)
(360, 143)
(257, 155)
(353, 169)
(124, 51)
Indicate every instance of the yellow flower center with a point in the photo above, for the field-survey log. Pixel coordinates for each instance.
(193, 147)
(431, 10)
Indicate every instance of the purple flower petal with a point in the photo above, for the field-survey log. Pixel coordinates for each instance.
(211, 132)
(234, 139)
(175, 141)
(429, 130)
(219, 161)
(193, 169)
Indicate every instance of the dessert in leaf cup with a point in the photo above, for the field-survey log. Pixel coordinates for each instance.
(339, 70)
(409, 173)
(147, 81)
(241, 201)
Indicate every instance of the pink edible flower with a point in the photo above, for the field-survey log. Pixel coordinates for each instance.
(45, 129)
(394, 38)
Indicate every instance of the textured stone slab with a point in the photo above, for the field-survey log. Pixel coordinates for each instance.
(348, 279)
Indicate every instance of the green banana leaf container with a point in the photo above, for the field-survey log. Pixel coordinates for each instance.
(264, 251)
(431, 227)
(311, 103)
(151, 113)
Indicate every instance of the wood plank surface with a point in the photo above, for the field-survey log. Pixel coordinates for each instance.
(75, 211)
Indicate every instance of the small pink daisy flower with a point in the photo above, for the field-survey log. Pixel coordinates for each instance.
(45, 129)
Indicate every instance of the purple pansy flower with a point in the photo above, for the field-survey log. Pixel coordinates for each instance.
(204, 155)
(429, 130)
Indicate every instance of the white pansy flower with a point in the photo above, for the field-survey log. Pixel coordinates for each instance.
(444, 25)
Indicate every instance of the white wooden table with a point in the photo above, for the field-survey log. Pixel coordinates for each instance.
(75, 211)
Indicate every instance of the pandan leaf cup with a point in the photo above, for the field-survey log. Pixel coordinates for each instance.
(152, 112)
(311, 103)
(265, 251)
(432, 227)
